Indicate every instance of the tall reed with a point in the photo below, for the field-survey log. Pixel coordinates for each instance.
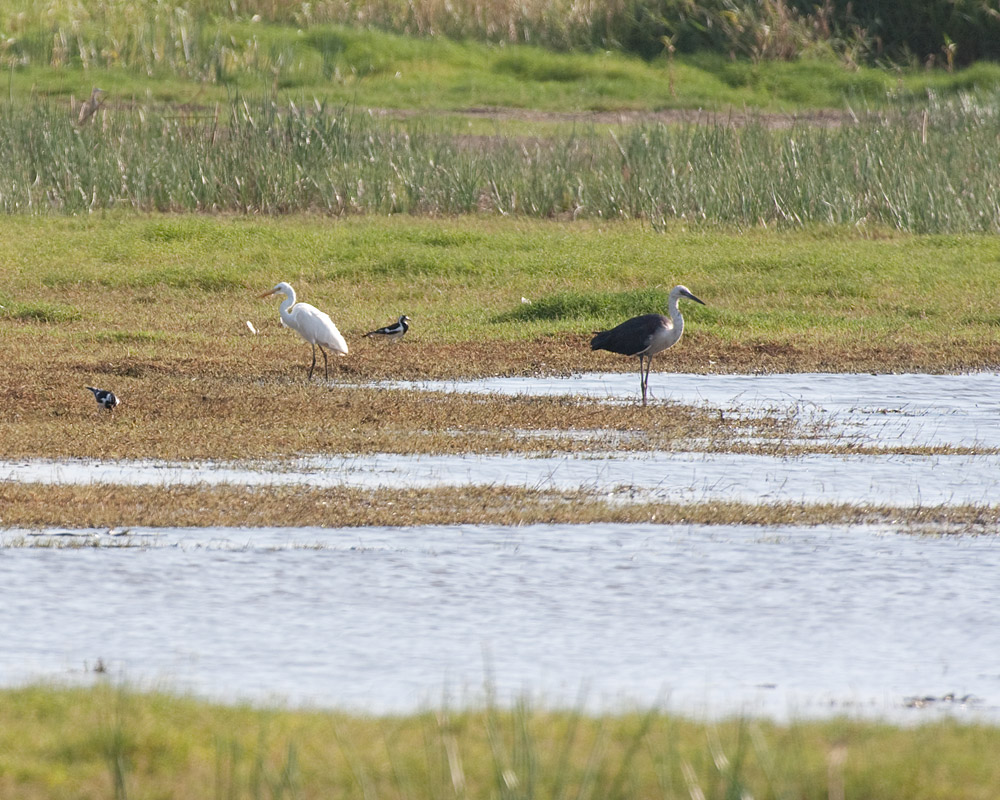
(936, 173)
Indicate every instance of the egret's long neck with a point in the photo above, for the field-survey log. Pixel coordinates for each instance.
(286, 305)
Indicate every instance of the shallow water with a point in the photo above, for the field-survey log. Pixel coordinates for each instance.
(911, 409)
(710, 620)
(904, 480)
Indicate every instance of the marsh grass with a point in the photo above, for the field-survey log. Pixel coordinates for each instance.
(39, 311)
(53, 746)
(120, 507)
(892, 171)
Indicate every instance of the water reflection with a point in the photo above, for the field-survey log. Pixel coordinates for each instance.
(812, 621)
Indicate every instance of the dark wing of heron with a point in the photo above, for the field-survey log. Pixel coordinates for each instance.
(630, 338)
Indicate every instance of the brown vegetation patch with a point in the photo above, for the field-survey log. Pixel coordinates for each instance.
(232, 396)
(226, 416)
(112, 506)
(703, 354)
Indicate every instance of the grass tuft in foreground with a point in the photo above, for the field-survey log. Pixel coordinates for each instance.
(111, 742)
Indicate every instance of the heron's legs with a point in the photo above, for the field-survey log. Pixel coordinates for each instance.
(642, 378)
(313, 364)
(649, 363)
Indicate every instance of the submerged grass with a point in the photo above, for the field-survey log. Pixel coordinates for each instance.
(107, 741)
(118, 507)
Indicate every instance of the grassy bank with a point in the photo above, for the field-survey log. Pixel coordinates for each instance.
(931, 172)
(105, 742)
(328, 50)
(643, 54)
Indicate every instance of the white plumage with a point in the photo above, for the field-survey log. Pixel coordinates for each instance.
(311, 324)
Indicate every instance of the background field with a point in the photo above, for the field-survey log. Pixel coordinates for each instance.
(648, 55)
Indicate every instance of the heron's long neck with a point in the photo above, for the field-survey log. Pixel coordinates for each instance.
(675, 314)
(286, 305)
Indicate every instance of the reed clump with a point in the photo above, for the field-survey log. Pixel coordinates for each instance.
(931, 174)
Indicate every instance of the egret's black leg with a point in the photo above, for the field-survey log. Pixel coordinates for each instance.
(313, 364)
(326, 365)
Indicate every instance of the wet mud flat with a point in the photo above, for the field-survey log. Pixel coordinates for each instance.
(879, 412)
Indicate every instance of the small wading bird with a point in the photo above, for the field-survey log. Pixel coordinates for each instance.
(311, 324)
(647, 335)
(394, 331)
(89, 107)
(105, 398)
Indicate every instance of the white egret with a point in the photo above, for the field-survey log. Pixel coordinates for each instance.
(105, 398)
(394, 331)
(311, 324)
(646, 335)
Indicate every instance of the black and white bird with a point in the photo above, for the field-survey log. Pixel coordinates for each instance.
(394, 331)
(646, 335)
(105, 398)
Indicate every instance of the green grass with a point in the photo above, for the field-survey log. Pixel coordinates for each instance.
(106, 742)
(463, 280)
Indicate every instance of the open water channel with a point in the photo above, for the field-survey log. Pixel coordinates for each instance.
(705, 620)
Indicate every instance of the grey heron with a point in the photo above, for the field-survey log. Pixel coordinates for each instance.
(646, 335)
